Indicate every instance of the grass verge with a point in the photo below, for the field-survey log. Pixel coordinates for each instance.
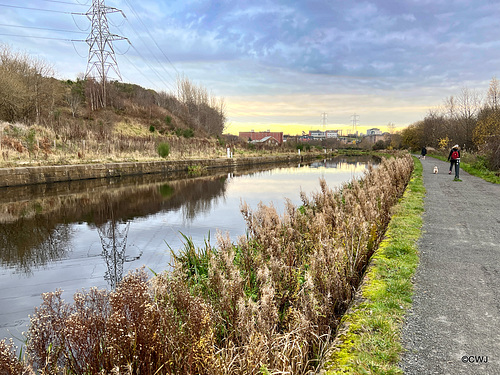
(369, 340)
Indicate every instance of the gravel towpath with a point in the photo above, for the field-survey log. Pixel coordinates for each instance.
(454, 324)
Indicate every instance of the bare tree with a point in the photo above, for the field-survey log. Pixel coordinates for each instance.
(206, 111)
(28, 91)
(469, 105)
(493, 96)
(74, 100)
(462, 113)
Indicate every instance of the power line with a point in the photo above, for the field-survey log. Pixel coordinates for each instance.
(79, 28)
(41, 10)
(146, 61)
(42, 28)
(149, 33)
(63, 2)
(42, 37)
(151, 67)
(140, 71)
(101, 52)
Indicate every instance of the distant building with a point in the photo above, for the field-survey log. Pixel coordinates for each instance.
(267, 141)
(374, 131)
(374, 138)
(332, 134)
(257, 136)
(316, 134)
(327, 134)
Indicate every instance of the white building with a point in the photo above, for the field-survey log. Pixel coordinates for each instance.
(332, 134)
(316, 134)
(374, 131)
(328, 134)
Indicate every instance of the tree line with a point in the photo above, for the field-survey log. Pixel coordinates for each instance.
(30, 94)
(470, 119)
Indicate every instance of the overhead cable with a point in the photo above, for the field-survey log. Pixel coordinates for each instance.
(42, 37)
(149, 33)
(41, 10)
(42, 28)
(62, 2)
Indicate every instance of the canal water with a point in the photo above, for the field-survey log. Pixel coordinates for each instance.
(82, 234)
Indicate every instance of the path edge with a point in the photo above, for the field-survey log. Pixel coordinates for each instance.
(369, 337)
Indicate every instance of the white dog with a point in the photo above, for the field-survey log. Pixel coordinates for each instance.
(435, 169)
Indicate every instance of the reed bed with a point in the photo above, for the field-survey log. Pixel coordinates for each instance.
(267, 304)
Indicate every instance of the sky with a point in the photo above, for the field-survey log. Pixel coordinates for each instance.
(280, 65)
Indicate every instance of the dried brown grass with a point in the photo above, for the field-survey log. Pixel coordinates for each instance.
(267, 304)
(75, 142)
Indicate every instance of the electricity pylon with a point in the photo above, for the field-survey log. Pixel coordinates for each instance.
(101, 52)
(355, 119)
(114, 245)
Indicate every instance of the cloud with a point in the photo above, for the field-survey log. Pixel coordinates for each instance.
(367, 39)
(291, 60)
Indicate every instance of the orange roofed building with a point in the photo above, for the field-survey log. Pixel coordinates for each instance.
(257, 136)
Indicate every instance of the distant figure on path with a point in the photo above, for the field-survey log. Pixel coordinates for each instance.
(423, 152)
(454, 159)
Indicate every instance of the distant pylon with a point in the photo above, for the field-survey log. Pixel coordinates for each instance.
(101, 52)
(355, 119)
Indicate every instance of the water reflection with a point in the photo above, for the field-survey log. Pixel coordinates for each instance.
(113, 237)
(36, 231)
(31, 241)
(36, 221)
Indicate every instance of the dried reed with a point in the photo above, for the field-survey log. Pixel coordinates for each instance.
(267, 304)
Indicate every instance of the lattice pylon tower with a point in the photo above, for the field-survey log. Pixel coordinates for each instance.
(101, 52)
(114, 244)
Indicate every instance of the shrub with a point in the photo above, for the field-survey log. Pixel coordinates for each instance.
(152, 128)
(9, 364)
(379, 145)
(493, 152)
(141, 328)
(221, 141)
(188, 133)
(163, 149)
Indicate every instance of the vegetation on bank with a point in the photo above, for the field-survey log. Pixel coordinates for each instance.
(269, 303)
(49, 121)
(369, 338)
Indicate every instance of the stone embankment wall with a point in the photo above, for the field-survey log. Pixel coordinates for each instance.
(48, 174)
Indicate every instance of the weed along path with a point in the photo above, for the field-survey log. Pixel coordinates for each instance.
(453, 326)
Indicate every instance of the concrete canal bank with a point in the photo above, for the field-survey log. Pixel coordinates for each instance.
(47, 174)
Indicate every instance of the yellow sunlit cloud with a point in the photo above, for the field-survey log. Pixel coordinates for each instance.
(294, 114)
